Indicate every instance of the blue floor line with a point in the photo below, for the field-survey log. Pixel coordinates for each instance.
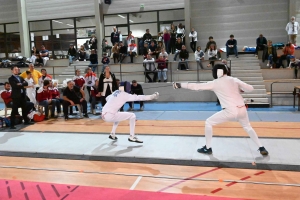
(194, 106)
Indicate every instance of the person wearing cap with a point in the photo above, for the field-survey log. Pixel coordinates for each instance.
(72, 53)
(228, 89)
(261, 41)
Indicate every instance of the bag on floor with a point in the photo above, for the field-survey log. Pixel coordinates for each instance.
(38, 117)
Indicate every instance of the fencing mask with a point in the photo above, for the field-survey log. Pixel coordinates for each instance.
(219, 70)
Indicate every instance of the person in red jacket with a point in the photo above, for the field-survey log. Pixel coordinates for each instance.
(78, 79)
(162, 68)
(45, 99)
(6, 96)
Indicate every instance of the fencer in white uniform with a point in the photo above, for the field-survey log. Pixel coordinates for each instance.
(228, 89)
(110, 112)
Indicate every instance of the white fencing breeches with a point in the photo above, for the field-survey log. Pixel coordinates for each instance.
(31, 96)
(120, 116)
(239, 114)
(45, 59)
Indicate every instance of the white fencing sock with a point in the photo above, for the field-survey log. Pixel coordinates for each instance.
(208, 134)
(132, 125)
(113, 132)
(251, 132)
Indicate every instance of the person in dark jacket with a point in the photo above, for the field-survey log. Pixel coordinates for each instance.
(178, 46)
(18, 95)
(93, 60)
(93, 42)
(138, 90)
(114, 36)
(270, 54)
(107, 85)
(261, 42)
(123, 52)
(231, 45)
(147, 37)
(72, 54)
(210, 42)
(183, 58)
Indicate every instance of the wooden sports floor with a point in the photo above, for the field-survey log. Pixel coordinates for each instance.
(157, 178)
(222, 182)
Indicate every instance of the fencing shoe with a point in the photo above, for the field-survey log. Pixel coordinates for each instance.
(263, 151)
(134, 139)
(176, 85)
(112, 137)
(205, 150)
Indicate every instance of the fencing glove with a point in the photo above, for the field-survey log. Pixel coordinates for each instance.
(155, 95)
(176, 85)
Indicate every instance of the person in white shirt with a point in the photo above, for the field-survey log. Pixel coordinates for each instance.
(193, 39)
(212, 55)
(228, 89)
(110, 112)
(292, 28)
(30, 89)
(180, 32)
(199, 56)
(132, 50)
(120, 36)
(149, 64)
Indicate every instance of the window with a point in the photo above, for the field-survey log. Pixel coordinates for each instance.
(39, 25)
(12, 28)
(85, 22)
(62, 23)
(142, 17)
(139, 30)
(85, 32)
(1, 29)
(170, 15)
(115, 19)
(13, 43)
(2, 44)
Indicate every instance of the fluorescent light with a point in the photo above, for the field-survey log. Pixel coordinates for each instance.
(57, 21)
(70, 25)
(131, 21)
(121, 16)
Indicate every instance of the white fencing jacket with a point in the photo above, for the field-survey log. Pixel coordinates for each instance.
(227, 89)
(118, 98)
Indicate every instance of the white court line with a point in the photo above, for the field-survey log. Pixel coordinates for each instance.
(136, 182)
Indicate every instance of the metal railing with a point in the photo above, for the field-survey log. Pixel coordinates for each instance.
(282, 82)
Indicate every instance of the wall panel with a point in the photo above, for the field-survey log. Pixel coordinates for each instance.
(8, 11)
(243, 18)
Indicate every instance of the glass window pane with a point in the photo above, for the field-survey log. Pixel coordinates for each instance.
(40, 36)
(139, 30)
(11, 28)
(142, 17)
(62, 40)
(108, 30)
(62, 23)
(85, 32)
(39, 25)
(115, 19)
(13, 43)
(2, 45)
(171, 15)
(85, 22)
(1, 28)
